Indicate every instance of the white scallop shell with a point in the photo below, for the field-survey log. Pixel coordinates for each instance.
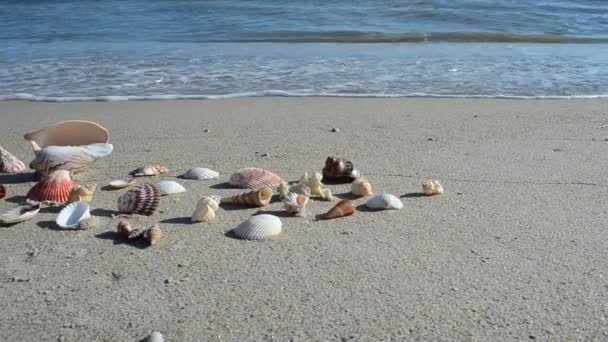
(122, 183)
(200, 173)
(72, 214)
(259, 227)
(20, 214)
(170, 188)
(384, 201)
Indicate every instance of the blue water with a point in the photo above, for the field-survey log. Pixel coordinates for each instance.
(111, 50)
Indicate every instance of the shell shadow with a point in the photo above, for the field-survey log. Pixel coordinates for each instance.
(120, 240)
(275, 198)
(108, 188)
(224, 185)
(16, 199)
(177, 220)
(104, 213)
(320, 217)
(230, 234)
(347, 196)
(413, 194)
(363, 208)
(16, 178)
(51, 225)
(51, 210)
(231, 206)
(278, 213)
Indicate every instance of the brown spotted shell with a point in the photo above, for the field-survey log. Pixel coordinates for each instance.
(142, 199)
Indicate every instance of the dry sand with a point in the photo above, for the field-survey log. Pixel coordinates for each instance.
(515, 250)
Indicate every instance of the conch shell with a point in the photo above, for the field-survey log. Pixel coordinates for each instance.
(54, 188)
(153, 234)
(70, 158)
(256, 198)
(152, 170)
(295, 204)
(82, 193)
(431, 188)
(9, 163)
(343, 208)
(336, 168)
(68, 133)
(361, 187)
(206, 209)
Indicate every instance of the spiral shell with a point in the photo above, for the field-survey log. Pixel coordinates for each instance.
(72, 214)
(361, 187)
(255, 198)
(82, 193)
(343, 208)
(200, 173)
(384, 201)
(206, 209)
(54, 188)
(151, 170)
(153, 234)
(254, 178)
(170, 188)
(432, 188)
(259, 227)
(295, 204)
(142, 199)
(336, 168)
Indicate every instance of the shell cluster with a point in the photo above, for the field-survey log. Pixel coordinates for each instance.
(152, 234)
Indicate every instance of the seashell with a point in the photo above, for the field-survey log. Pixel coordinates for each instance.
(122, 183)
(72, 214)
(152, 170)
(254, 178)
(155, 337)
(206, 209)
(200, 173)
(336, 168)
(54, 188)
(343, 208)
(153, 234)
(142, 199)
(124, 228)
(432, 188)
(258, 227)
(316, 189)
(384, 201)
(68, 133)
(9, 163)
(71, 158)
(20, 214)
(361, 187)
(136, 233)
(256, 198)
(90, 223)
(283, 189)
(83, 193)
(295, 204)
(3, 191)
(170, 188)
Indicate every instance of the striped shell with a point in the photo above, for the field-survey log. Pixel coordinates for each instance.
(9, 163)
(384, 201)
(170, 188)
(432, 188)
(152, 170)
(20, 214)
(255, 198)
(72, 214)
(71, 158)
(142, 199)
(258, 227)
(54, 188)
(200, 173)
(3, 191)
(254, 178)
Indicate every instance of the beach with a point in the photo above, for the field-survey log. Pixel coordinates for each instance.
(514, 250)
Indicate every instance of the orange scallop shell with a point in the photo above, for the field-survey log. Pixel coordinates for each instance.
(54, 188)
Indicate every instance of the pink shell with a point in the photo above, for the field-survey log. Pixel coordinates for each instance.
(9, 163)
(254, 178)
(54, 188)
(142, 199)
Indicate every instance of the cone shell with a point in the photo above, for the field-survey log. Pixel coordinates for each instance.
(259, 227)
(72, 214)
(432, 188)
(295, 204)
(136, 233)
(254, 178)
(124, 228)
(54, 188)
(3, 191)
(343, 208)
(70, 158)
(256, 198)
(142, 199)
(68, 133)
(200, 173)
(122, 183)
(152, 170)
(9, 163)
(82, 193)
(206, 209)
(384, 201)
(361, 187)
(336, 168)
(153, 234)
(170, 188)
(20, 214)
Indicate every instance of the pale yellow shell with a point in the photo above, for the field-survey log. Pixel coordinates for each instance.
(82, 193)
(206, 209)
(153, 234)
(361, 187)
(432, 188)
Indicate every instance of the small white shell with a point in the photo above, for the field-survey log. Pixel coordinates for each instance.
(259, 227)
(431, 188)
(200, 173)
(20, 214)
(155, 337)
(384, 201)
(122, 183)
(72, 214)
(170, 188)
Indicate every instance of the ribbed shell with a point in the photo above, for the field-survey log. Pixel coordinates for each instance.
(255, 198)
(200, 173)
(142, 199)
(259, 227)
(54, 188)
(71, 158)
(20, 214)
(72, 214)
(3, 191)
(343, 208)
(255, 178)
(384, 201)
(170, 188)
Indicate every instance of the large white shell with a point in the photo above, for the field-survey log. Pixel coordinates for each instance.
(384, 201)
(259, 227)
(20, 214)
(71, 158)
(72, 214)
(170, 188)
(200, 173)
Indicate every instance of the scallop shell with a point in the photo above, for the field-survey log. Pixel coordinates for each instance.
(71, 158)
(155, 337)
(54, 188)
(384, 201)
(9, 163)
(200, 173)
(258, 227)
(343, 208)
(256, 198)
(20, 214)
(72, 214)
(170, 188)
(142, 199)
(124, 228)
(432, 188)
(122, 183)
(82, 193)
(295, 204)
(152, 170)
(153, 234)
(336, 168)
(254, 178)
(206, 209)
(3, 191)
(361, 187)
(68, 133)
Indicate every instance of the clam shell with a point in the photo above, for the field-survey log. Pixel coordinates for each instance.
(72, 214)
(71, 158)
(153, 234)
(384, 201)
(295, 204)
(336, 168)
(361, 187)
(432, 188)
(200, 173)
(170, 188)
(142, 199)
(3, 191)
(258, 227)
(122, 183)
(343, 208)
(256, 198)
(20, 214)
(9, 163)
(206, 209)
(254, 178)
(68, 133)
(82, 193)
(151, 170)
(54, 188)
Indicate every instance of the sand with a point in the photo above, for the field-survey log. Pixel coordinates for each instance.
(515, 249)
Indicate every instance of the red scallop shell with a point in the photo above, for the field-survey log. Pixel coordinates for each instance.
(54, 188)
(2, 191)
(255, 178)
